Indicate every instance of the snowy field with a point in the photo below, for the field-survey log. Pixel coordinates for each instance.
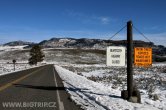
(97, 87)
(8, 54)
(100, 96)
(91, 83)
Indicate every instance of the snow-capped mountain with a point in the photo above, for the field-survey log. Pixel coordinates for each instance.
(87, 43)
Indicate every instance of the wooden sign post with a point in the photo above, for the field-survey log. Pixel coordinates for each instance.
(131, 94)
(129, 59)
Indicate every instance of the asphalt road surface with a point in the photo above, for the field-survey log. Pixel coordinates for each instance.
(34, 89)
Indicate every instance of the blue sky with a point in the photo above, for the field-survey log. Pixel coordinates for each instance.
(36, 20)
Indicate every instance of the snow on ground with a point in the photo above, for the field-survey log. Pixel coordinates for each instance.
(97, 96)
(9, 48)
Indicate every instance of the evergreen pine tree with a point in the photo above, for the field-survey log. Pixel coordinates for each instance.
(36, 55)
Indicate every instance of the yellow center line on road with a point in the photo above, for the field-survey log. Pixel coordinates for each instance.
(17, 80)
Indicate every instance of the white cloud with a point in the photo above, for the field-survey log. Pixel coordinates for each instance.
(90, 19)
(104, 20)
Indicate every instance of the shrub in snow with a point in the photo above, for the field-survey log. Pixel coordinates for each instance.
(154, 97)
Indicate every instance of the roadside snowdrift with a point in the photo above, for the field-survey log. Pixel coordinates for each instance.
(95, 96)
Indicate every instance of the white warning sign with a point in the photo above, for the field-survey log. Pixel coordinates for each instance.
(115, 56)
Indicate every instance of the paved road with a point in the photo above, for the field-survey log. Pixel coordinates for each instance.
(35, 89)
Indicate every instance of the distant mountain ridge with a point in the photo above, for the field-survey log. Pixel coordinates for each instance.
(98, 44)
(19, 43)
(81, 43)
(88, 43)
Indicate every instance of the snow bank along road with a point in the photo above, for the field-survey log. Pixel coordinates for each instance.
(39, 88)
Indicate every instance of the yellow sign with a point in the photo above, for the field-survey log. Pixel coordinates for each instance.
(143, 56)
